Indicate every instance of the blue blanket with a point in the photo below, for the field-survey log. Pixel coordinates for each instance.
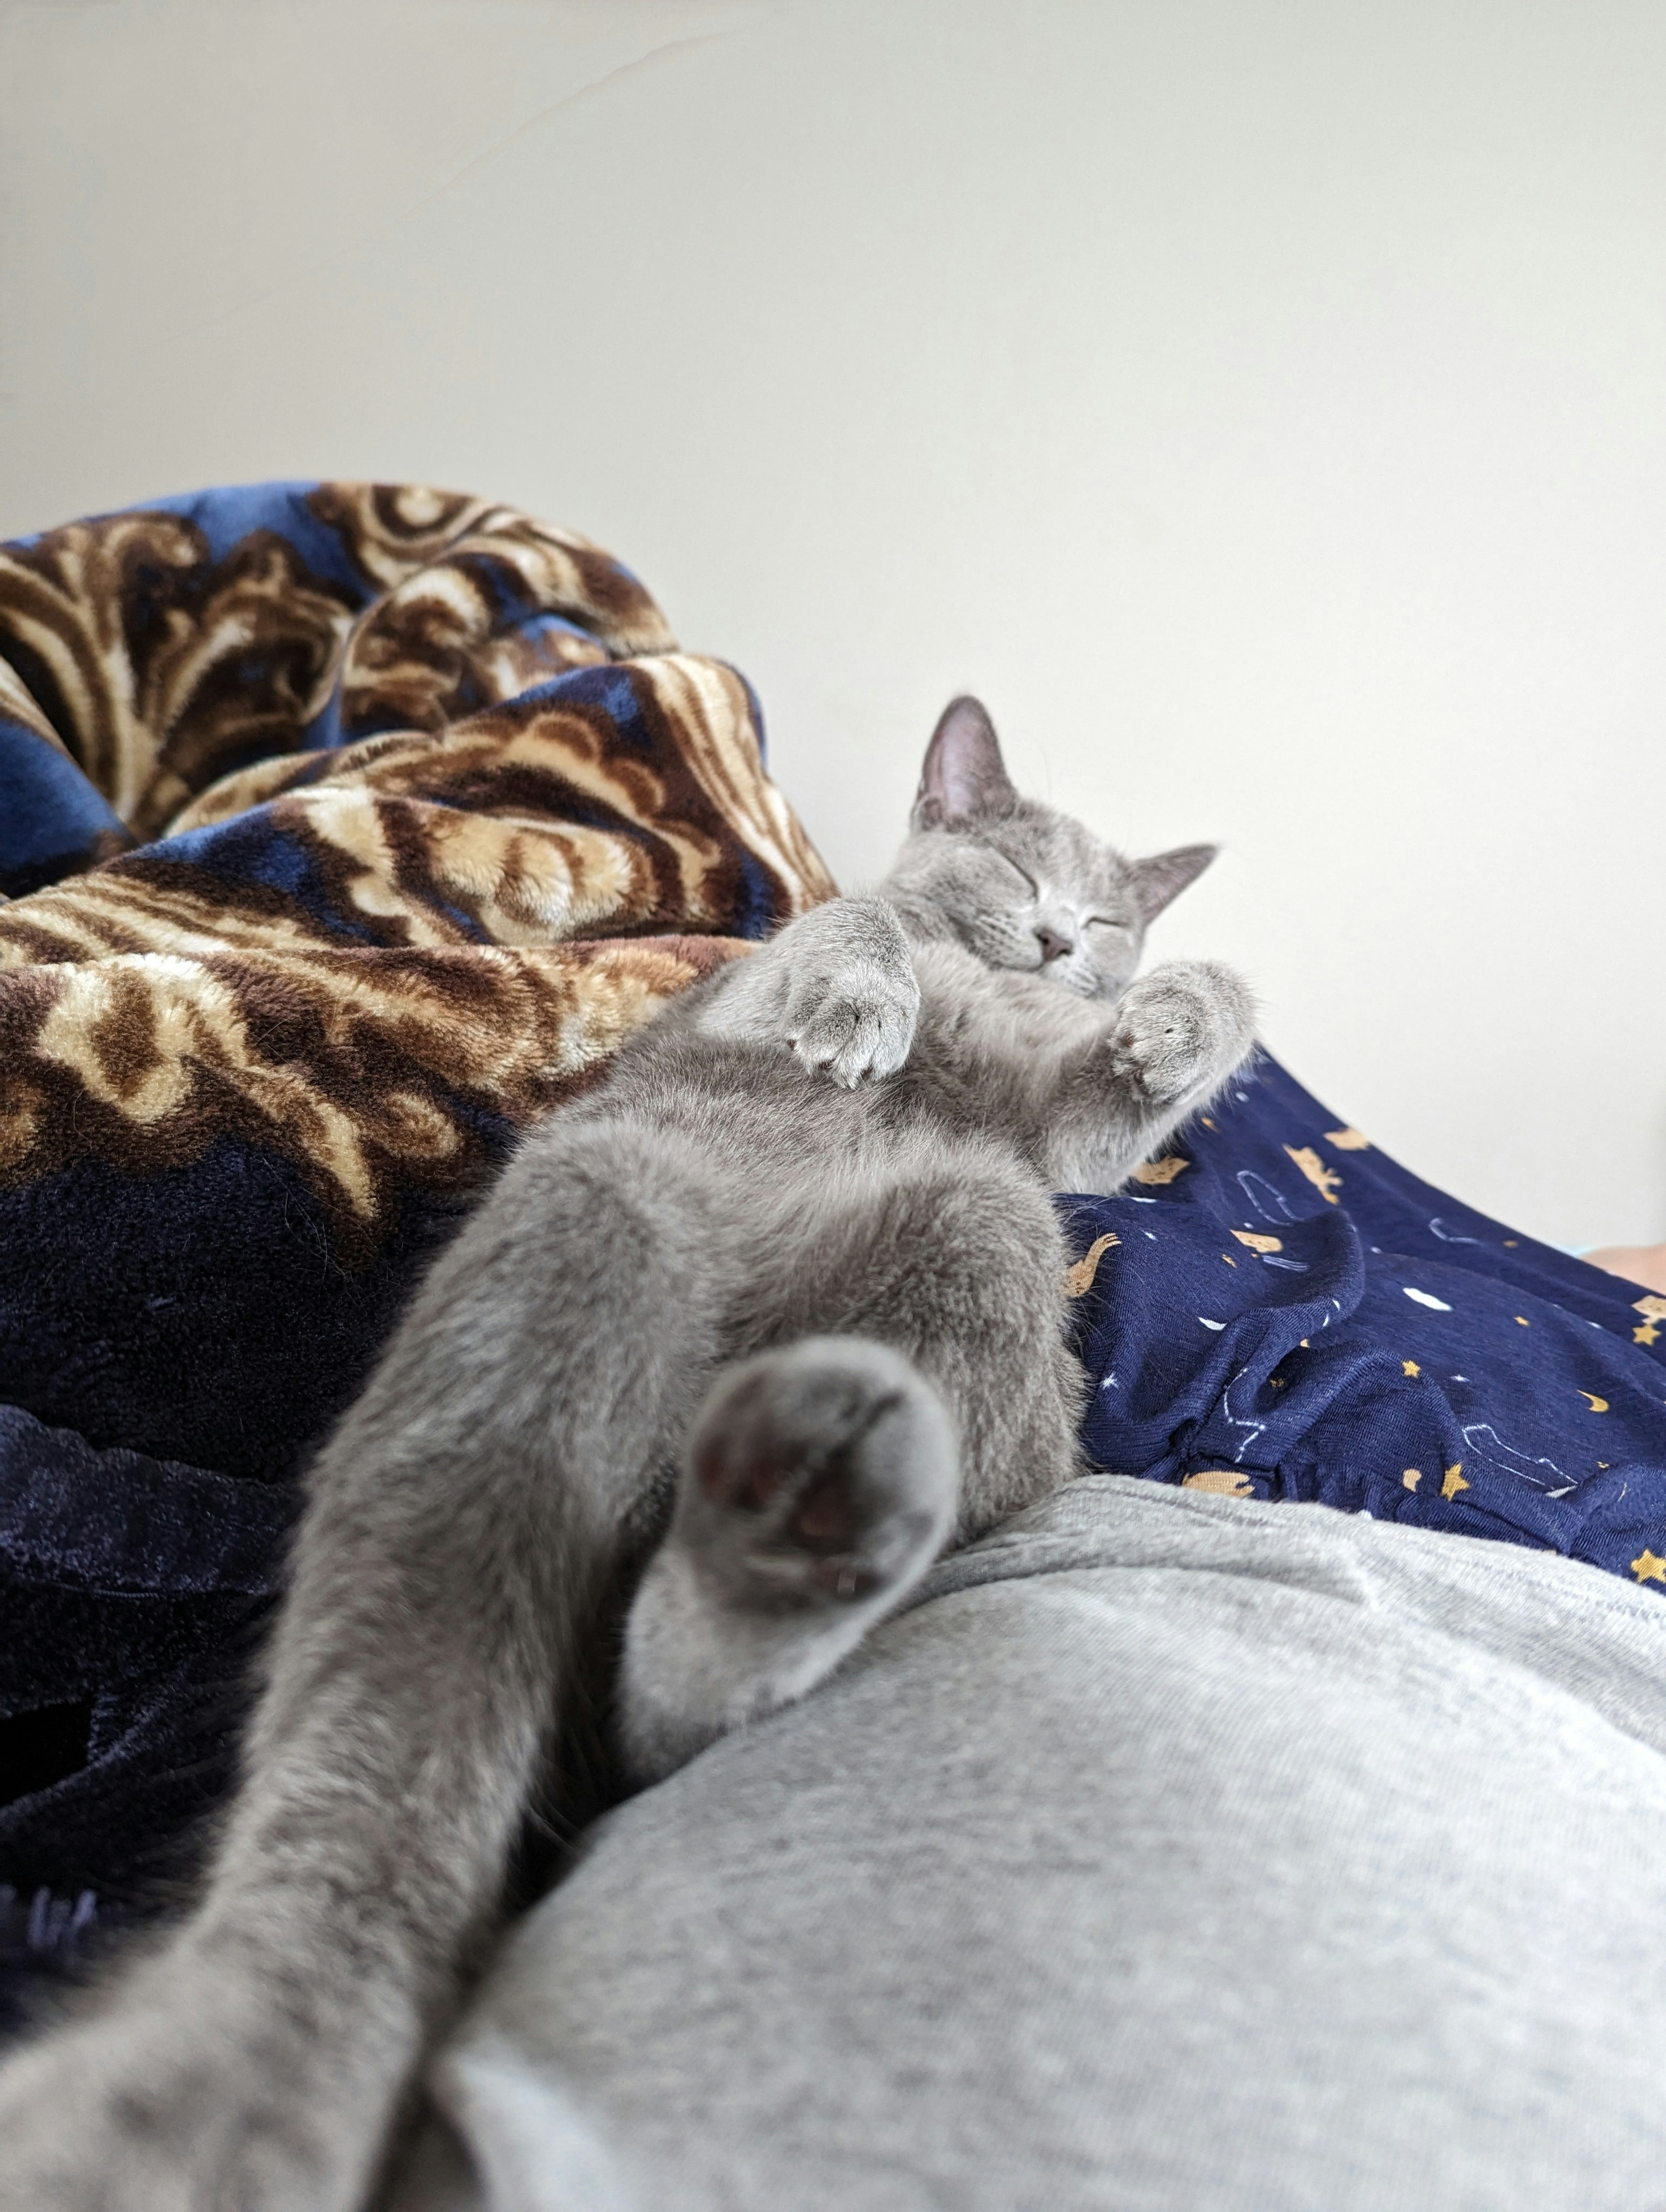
(347, 828)
(1275, 1310)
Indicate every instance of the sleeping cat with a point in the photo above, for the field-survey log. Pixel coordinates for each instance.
(799, 1245)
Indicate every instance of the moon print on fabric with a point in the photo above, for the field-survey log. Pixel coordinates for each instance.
(1385, 1350)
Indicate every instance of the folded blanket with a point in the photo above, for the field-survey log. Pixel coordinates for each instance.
(349, 827)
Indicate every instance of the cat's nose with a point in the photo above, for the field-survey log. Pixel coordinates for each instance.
(1053, 946)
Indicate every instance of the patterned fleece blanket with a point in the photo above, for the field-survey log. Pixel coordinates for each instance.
(349, 827)
(346, 828)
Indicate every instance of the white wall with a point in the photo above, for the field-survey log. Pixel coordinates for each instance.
(1258, 401)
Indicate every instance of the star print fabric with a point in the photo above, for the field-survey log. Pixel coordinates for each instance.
(1290, 1314)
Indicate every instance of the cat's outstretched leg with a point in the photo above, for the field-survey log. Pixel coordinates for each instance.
(460, 1524)
(825, 1474)
(950, 1253)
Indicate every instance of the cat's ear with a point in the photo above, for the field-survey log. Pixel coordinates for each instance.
(964, 773)
(1165, 875)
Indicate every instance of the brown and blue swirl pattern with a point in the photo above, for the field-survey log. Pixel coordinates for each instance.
(344, 828)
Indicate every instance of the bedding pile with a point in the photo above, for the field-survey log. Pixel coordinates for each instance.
(347, 828)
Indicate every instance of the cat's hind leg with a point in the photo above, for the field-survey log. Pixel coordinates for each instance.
(920, 1384)
(461, 1525)
(950, 1253)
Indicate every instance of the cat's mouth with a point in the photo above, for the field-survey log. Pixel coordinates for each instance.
(1069, 975)
(1085, 984)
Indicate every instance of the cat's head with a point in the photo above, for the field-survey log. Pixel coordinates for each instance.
(1017, 883)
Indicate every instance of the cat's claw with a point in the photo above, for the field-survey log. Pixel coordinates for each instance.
(1183, 1028)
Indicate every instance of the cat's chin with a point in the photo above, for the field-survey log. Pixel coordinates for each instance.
(1078, 987)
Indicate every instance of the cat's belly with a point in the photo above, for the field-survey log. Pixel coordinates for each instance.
(753, 1108)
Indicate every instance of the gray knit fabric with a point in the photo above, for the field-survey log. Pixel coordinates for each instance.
(1171, 1851)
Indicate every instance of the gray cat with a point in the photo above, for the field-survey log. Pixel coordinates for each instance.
(799, 1244)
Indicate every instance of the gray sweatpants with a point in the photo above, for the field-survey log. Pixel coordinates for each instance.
(1169, 1850)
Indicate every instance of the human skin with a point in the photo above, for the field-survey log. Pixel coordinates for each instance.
(1637, 1263)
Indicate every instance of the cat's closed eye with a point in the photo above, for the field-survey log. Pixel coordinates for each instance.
(1031, 890)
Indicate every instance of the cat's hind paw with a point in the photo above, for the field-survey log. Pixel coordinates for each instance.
(819, 1472)
(821, 1483)
(179, 2095)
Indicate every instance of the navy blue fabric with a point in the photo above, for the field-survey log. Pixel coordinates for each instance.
(133, 1591)
(138, 1332)
(1292, 1317)
(51, 820)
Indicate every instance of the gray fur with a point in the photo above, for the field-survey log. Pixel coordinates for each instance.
(800, 1243)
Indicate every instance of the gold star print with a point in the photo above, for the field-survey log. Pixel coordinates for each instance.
(1452, 1482)
(1078, 1279)
(1653, 1310)
(1412, 1477)
(1324, 1180)
(1161, 1170)
(1348, 1141)
(1258, 1243)
(1410, 1367)
(1647, 1568)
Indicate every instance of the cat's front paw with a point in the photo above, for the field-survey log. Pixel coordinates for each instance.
(852, 997)
(1182, 1029)
(854, 1024)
